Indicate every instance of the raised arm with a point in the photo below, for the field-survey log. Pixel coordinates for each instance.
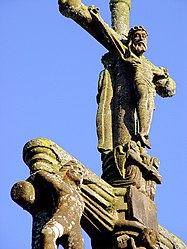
(89, 19)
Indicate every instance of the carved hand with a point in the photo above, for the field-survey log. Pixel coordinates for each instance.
(70, 3)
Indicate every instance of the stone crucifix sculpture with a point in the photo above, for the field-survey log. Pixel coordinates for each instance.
(117, 211)
(129, 82)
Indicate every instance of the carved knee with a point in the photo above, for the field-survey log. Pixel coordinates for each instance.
(52, 230)
(48, 240)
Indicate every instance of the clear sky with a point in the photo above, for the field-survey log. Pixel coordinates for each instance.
(49, 71)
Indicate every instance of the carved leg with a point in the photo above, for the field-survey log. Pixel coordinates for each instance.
(75, 238)
(145, 113)
(50, 233)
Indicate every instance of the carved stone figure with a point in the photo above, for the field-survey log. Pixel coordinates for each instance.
(148, 236)
(64, 224)
(59, 220)
(128, 83)
(142, 170)
(146, 76)
(127, 86)
(118, 209)
(107, 216)
(133, 78)
(131, 165)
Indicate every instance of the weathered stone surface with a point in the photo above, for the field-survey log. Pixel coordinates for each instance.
(141, 208)
(62, 195)
(106, 209)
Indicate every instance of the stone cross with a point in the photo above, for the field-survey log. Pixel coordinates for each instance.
(118, 209)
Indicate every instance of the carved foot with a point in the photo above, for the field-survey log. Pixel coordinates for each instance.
(144, 139)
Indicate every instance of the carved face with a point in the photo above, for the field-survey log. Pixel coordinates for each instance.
(76, 174)
(139, 42)
(150, 237)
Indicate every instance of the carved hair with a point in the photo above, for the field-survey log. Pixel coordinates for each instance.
(134, 30)
(71, 165)
(131, 33)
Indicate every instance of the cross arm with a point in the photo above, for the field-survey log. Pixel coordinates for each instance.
(90, 20)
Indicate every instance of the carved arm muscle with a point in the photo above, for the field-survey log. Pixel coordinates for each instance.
(165, 86)
(89, 19)
(53, 180)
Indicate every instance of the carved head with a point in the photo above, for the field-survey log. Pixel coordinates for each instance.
(73, 171)
(137, 40)
(149, 237)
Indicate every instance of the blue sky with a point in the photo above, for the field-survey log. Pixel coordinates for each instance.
(49, 72)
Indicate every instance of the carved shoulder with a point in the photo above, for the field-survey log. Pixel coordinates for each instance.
(89, 19)
(165, 86)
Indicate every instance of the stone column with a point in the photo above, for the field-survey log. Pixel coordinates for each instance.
(120, 10)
